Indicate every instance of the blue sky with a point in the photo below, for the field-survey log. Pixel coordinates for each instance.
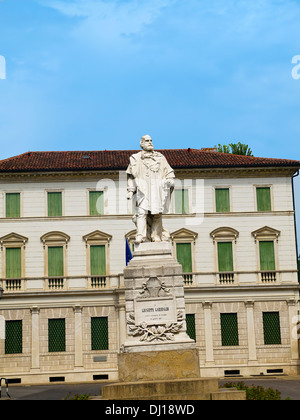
(98, 74)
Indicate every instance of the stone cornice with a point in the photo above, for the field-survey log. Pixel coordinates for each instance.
(228, 172)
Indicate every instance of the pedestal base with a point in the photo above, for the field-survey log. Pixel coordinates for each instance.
(158, 365)
(178, 389)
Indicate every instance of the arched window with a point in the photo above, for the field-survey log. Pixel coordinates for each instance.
(225, 239)
(55, 256)
(98, 267)
(266, 239)
(13, 260)
(183, 241)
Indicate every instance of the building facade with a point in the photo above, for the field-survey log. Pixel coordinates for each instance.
(64, 222)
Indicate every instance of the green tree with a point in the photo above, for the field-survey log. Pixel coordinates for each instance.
(235, 149)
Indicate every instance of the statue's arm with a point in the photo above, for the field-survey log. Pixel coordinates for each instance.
(131, 184)
(169, 176)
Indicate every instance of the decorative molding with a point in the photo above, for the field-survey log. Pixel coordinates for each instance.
(154, 288)
(130, 236)
(35, 310)
(55, 237)
(184, 234)
(224, 234)
(97, 237)
(13, 239)
(266, 233)
(155, 333)
(207, 305)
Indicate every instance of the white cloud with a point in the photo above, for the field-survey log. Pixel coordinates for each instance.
(110, 20)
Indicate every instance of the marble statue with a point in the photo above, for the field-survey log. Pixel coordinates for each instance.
(150, 179)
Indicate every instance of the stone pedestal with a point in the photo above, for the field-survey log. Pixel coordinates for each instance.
(158, 360)
(158, 365)
(155, 307)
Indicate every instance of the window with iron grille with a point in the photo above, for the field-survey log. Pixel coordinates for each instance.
(99, 333)
(13, 337)
(229, 329)
(56, 335)
(271, 323)
(190, 326)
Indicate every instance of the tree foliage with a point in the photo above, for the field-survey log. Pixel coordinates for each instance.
(235, 149)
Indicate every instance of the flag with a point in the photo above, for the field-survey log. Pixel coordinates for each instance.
(128, 253)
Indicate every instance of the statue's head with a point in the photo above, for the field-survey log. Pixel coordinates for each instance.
(146, 143)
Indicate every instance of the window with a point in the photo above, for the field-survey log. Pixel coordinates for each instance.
(225, 238)
(56, 335)
(130, 237)
(181, 201)
(229, 329)
(222, 200)
(13, 263)
(271, 323)
(267, 239)
(13, 260)
(56, 267)
(98, 260)
(13, 337)
(54, 204)
(183, 241)
(97, 244)
(99, 333)
(225, 256)
(55, 246)
(55, 261)
(263, 198)
(266, 255)
(12, 205)
(96, 202)
(190, 326)
(184, 256)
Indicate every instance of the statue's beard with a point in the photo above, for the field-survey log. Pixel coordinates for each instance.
(148, 148)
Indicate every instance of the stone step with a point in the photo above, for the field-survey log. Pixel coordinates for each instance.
(182, 389)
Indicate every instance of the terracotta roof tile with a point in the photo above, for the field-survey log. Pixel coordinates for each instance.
(119, 159)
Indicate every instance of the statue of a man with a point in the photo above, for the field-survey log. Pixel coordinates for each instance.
(151, 179)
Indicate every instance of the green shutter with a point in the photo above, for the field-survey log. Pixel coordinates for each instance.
(56, 335)
(55, 261)
(225, 257)
(271, 324)
(190, 326)
(184, 256)
(13, 337)
(99, 333)
(13, 205)
(181, 201)
(263, 197)
(222, 200)
(54, 204)
(13, 262)
(229, 329)
(185, 199)
(98, 260)
(96, 203)
(267, 256)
